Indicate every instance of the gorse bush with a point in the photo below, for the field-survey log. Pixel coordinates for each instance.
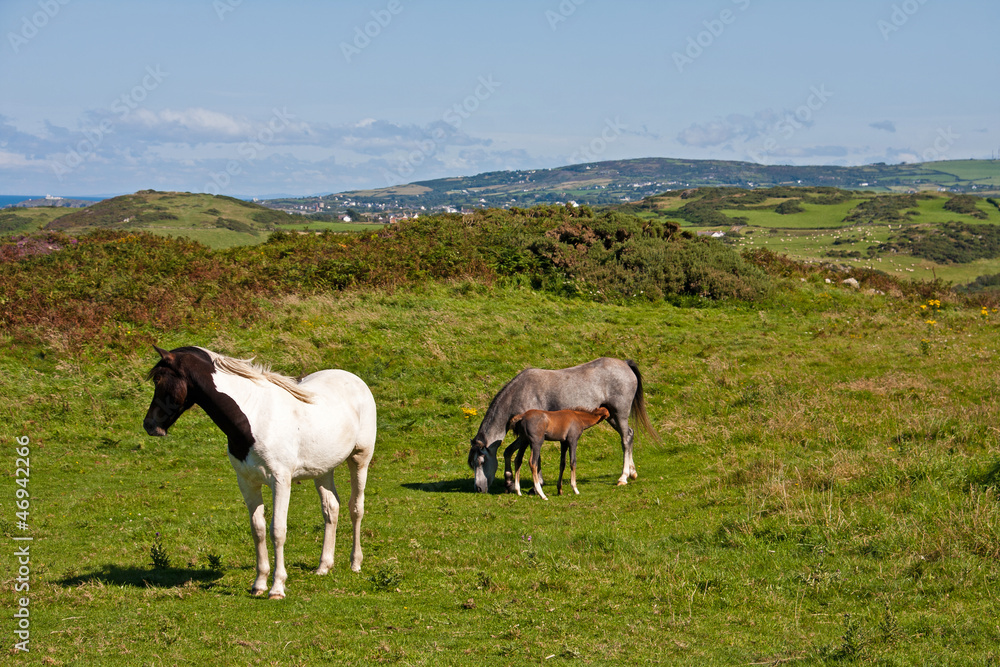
(107, 285)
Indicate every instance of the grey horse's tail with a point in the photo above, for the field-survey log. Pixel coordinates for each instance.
(638, 412)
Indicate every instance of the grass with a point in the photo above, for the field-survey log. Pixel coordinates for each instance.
(825, 491)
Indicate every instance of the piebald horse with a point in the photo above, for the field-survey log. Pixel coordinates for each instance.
(536, 426)
(602, 383)
(279, 430)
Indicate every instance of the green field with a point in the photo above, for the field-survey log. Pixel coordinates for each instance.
(824, 492)
(810, 235)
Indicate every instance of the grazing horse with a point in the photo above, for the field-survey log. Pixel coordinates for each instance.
(609, 383)
(279, 431)
(536, 426)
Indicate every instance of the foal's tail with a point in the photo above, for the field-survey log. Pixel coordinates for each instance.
(514, 421)
(638, 412)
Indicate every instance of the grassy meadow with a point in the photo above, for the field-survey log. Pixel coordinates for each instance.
(824, 491)
(812, 234)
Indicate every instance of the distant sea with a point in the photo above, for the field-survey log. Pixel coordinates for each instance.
(7, 200)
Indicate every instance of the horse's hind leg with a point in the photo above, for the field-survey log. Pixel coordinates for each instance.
(330, 502)
(258, 527)
(628, 465)
(357, 463)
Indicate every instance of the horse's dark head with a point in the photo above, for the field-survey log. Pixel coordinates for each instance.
(483, 461)
(172, 391)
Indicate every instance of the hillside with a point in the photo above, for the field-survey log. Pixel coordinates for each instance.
(216, 221)
(616, 181)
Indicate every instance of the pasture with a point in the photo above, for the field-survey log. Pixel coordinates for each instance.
(825, 492)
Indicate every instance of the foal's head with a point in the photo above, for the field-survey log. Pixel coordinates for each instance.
(172, 387)
(600, 413)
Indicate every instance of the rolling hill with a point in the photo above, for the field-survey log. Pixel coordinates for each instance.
(615, 182)
(216, 221)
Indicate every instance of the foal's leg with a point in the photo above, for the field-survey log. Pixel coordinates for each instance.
(258, 526)
(358, 465)
(572, 465)
(281, 491)
(330, 502)
(564, 445)
(517, 466)
(535, 462)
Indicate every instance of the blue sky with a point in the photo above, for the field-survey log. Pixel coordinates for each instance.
(255, 97)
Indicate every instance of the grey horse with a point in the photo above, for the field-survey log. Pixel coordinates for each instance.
(609, 383)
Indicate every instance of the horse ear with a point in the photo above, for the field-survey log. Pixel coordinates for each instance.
(163, 353)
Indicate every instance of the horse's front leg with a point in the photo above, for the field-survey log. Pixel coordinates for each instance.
(330, 503)
(508, 474)
(281, 490)
(535, 463)
(258, 527)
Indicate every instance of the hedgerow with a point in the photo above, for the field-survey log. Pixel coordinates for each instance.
(111, 285)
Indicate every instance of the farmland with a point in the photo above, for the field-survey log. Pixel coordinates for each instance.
(824, 492)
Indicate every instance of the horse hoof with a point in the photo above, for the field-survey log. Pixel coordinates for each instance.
(276, 596)
(321, 571)
(257, 593)
(622, 482)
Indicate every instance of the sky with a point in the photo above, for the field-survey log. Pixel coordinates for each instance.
(265, 98)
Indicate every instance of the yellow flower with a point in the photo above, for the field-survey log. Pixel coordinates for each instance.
(469, 412)
(931, 321)
(923, 307)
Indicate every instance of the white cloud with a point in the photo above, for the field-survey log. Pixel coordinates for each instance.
(733, 128)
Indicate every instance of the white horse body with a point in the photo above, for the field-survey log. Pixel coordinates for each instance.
(279, 431)
(297, 440)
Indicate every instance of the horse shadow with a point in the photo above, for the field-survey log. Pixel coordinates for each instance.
(465, 485)
(169, 577)
(462, 485)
